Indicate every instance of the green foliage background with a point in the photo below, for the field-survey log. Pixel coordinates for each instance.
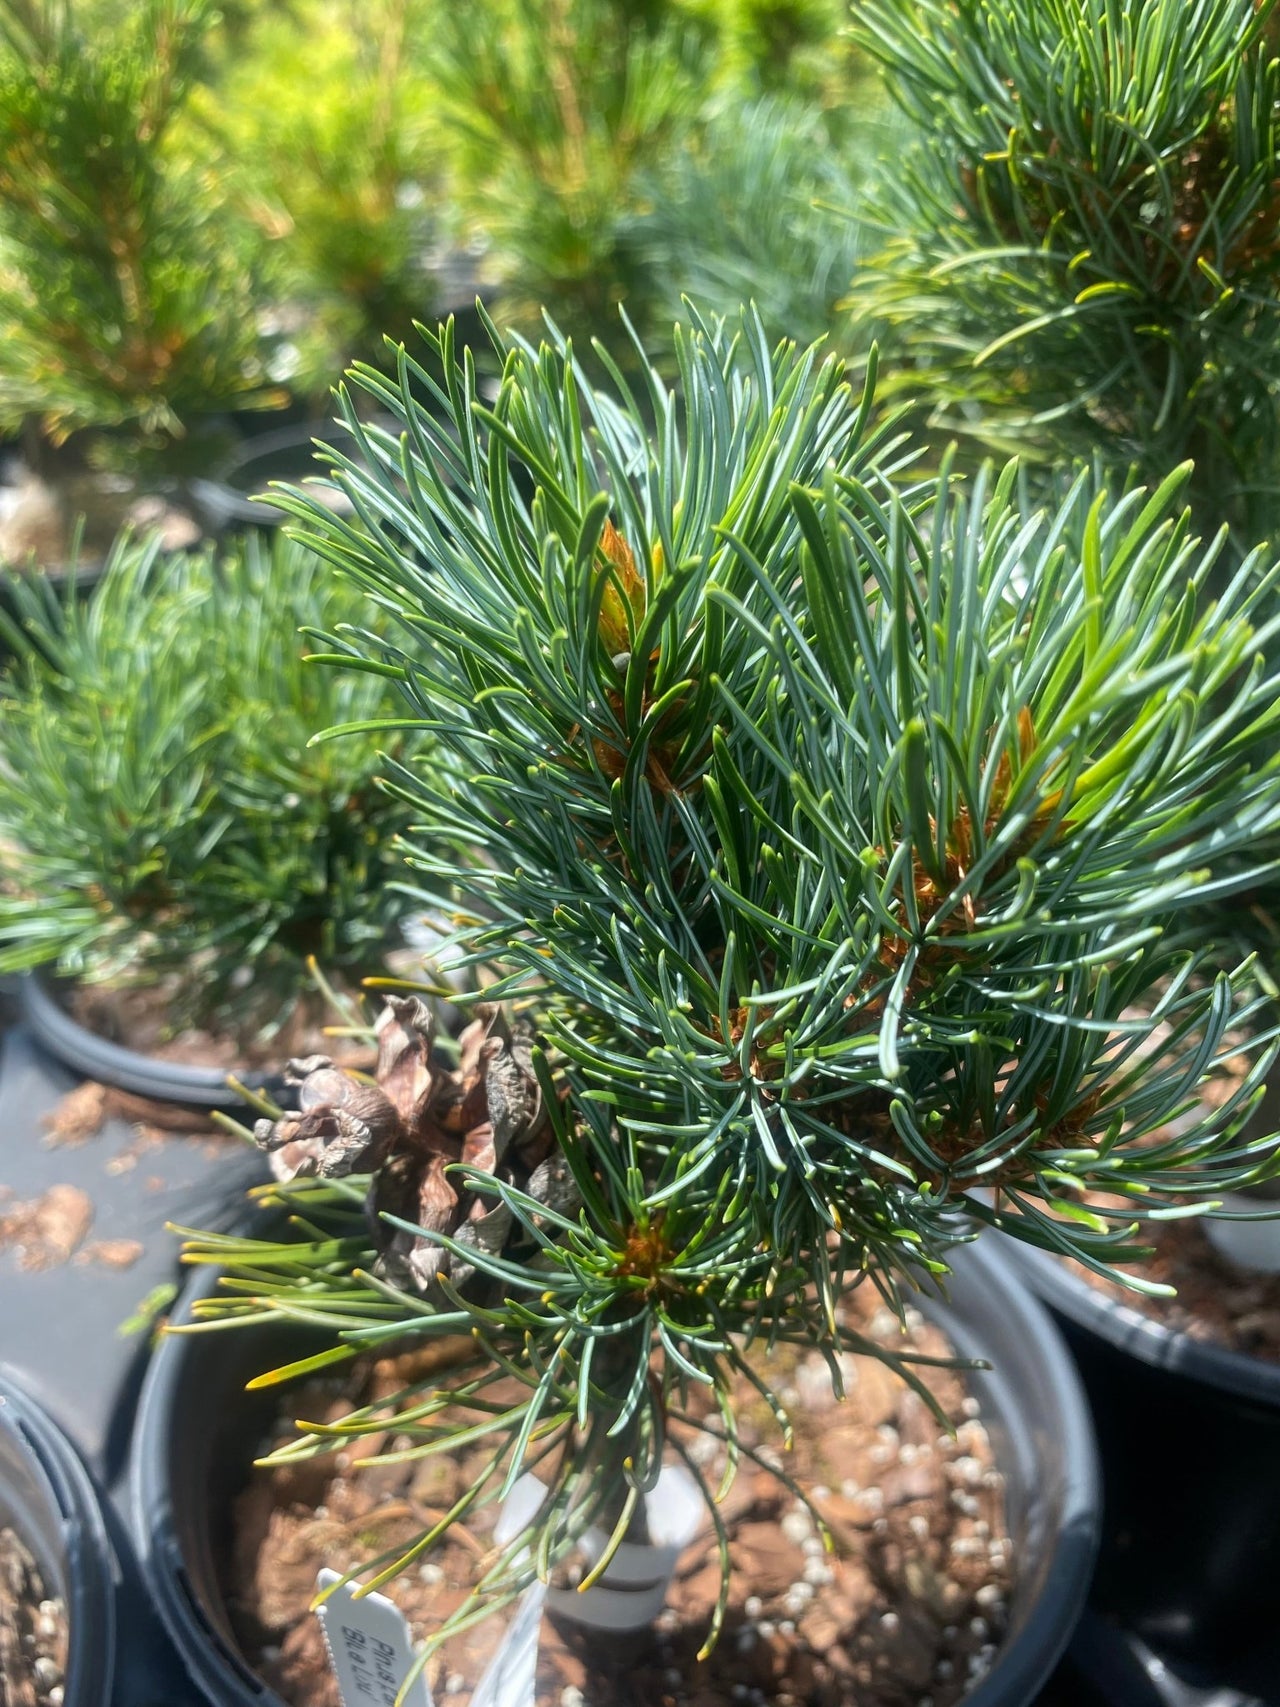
(1083, 247)
(127, 283)
(161, 811)
(327, 127)
(204, 209)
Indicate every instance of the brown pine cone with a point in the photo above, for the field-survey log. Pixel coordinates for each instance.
(416, 1118)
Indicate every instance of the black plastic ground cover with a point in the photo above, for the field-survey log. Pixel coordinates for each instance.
(1108, 1666)
(1190, 1441)
(186, 1473)
(65, 1327)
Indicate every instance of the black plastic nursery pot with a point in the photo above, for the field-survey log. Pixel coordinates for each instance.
(65, 1324)
(94, 1057)
(66, 541)
(197, 1431)
(74, 1342)
(229, 498)
(1189, 1435)
(47, 1499)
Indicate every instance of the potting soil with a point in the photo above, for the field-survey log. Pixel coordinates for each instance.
(907, 1612)
(33, 1630)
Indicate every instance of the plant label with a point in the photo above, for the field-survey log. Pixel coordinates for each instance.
(369, 1648)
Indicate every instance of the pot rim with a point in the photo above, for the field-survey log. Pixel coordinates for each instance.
(1024, 1660)
(89, 1564)
(97, 1058)
(1024, 1333)
(225, 503)
(1129, 1330)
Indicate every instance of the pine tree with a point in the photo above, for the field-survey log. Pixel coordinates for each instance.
(824, 843)
(325, 118)
(127, 291)
(592, 152)
(1084, 247)
(163, 819)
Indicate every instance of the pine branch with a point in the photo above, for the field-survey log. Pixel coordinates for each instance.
(1086, 230)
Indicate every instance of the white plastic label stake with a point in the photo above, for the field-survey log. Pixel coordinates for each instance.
(511, 1679)
(370, 1647)
(633, 1589)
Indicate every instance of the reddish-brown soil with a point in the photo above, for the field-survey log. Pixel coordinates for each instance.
(907, 1613)
(33, 1631)
(141, 1018)
(1216, 1302)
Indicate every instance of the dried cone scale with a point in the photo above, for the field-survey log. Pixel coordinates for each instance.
(416, 1117)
